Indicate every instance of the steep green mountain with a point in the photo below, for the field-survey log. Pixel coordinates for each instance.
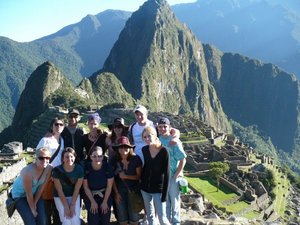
(162, 64)
(46, 87)
(72, 49)
(253, 93)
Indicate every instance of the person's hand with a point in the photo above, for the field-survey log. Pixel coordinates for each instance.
(67, 212)
(72, 210)
(34, 212)
(94, 207)
(118, 198)
(104, 207)
(122, 175)
(173, 141)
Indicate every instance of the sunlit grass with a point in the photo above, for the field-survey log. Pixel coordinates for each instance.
(251, 215)
(208, 188)
(281, 190)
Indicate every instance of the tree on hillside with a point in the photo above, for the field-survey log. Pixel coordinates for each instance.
(217, 169)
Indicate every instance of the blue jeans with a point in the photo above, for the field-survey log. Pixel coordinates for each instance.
(173, 202)
(124, 209)
(151, 201)
(26, 214)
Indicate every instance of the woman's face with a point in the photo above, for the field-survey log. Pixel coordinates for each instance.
(97, 157)
(149, 138)
(43, 159)
(69, 159)
(118, 129)
(93, 124)
(58, 127)
(124, 151)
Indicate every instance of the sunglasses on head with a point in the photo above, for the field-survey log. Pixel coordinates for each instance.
(97, 156)
(42, 158)
(59, 124)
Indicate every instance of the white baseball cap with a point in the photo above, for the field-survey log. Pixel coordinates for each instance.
(142, 109)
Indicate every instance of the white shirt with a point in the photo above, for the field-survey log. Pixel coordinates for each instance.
(52, 144)
(139, 143)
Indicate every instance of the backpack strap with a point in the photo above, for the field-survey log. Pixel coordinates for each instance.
(130, 135)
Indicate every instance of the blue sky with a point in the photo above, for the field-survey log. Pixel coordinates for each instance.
(27, 20)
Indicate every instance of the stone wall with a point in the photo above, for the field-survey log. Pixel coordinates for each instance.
(10, 172)
(14, 220)
(230, 185)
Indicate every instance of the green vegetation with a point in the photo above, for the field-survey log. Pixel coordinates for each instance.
(30, 157)
(251, 215)
(254, 138)
(207, 187)
(217, 170)
(280, 188)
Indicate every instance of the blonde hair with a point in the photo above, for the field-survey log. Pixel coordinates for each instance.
(152, 131)
(42, 149)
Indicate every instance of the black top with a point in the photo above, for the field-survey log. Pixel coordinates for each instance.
(74, 141)
(155, 174)
(134, 162)
(97, 179)
(87, 143)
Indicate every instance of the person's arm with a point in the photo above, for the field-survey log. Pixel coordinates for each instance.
(166, 177)
(75, 196)
(62, 197)
(108, 143)
(104, 206)
(175, 133)
(117, 195)
(137, 176)
(87, 190)
(40, 190)
(27, 182)
(179, 168)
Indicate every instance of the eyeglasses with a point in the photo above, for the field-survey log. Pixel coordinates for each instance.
(59, 124)
(42, 158)
(97, 156)
(118, 126)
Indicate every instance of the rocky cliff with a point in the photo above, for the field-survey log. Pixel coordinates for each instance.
(162, 64)
(252, 92)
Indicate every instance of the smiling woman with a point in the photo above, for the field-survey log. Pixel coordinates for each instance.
(28, 187)
(68, 178)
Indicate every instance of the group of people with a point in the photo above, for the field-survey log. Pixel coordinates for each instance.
(99, 169)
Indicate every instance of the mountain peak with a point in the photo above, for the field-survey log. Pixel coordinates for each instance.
(161, 64)
(44, 81)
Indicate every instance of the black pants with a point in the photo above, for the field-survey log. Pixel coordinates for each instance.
(51, 213)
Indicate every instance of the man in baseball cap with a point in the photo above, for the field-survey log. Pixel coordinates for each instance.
(136, 129)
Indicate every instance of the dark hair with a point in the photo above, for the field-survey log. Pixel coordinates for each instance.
(114, 136)
(53, 121)
(130, 155)
(94, 149)
(66, 150)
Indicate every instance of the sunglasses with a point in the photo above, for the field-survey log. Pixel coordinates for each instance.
(73, 116)
(59, 124)
(42, 158)
(162, 126)
(118, 126)
(97, 156)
